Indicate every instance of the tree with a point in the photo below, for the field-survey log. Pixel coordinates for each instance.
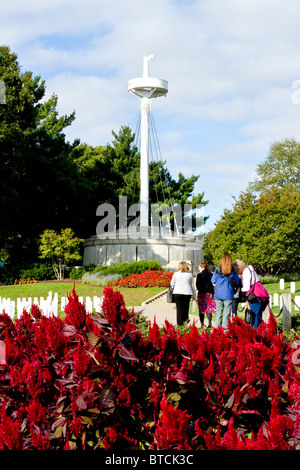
(263, 227)
(116, 167)
(281, 167)
(61, 248)
(261, 230)
(40, 184)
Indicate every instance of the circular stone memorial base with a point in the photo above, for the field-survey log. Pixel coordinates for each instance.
(167, 250)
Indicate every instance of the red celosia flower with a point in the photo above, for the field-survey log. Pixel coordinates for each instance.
(125, 397)
(194, 343)
(154, 335)
(172, 430)
(12, 350)
(10, 434)
(155, 395)
(37, 378)
(113, 307)
(75, 425)
(35, 311)
(82, 360)
(75, 311)
(36, 413)
(40, 441)
(7, 326)
(110, 438)
(55, 337)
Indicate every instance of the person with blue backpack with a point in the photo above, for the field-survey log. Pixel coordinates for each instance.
(226, 281)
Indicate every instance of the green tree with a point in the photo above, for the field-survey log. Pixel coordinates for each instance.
(60, 248)
(281, 167)
(39, 182)
(116, 167)
(261, 230)
(263, 227)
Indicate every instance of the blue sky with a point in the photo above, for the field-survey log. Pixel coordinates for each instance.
(230, 66)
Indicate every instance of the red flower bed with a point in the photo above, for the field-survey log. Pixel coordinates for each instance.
(93, 382)
(147, 279)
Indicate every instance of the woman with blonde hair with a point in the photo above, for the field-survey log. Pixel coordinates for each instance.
(225, 278)
(183, 290)
(250, 281)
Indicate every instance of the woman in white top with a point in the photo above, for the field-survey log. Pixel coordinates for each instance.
(249, 277)
(183, 290)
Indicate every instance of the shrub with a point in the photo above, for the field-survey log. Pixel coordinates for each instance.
(37, 271)
(127, 269)
(89, 382)
(76, 273)
(96, 279)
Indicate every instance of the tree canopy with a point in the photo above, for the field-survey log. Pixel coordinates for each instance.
(116, 167)
(61, 248)
(36, 174)
(281, 168)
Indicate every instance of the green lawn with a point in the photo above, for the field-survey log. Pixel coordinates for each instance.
(132, 296)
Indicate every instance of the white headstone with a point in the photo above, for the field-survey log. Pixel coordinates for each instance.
(293, 287)
(297, 302)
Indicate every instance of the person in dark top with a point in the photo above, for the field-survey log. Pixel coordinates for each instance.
(206, 300)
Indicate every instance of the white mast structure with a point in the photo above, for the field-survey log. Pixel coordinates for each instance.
(146, 88)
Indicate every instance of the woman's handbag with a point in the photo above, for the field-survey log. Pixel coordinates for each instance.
(248, 316)
(170, 295)
(251, 295)
(242, 297)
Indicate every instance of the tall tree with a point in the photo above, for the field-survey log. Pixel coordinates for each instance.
(36, 174)
(116, 167)
(261, 230)
(263, 227)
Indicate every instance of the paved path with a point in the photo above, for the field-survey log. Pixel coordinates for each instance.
(160, 309)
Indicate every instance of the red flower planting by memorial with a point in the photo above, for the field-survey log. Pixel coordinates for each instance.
(147, 279)
(93, 382)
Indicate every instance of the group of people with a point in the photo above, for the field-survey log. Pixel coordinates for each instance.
(218, 292)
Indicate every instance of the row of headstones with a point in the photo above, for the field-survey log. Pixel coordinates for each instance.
(48, 306)
(276, 299)
(293, 286)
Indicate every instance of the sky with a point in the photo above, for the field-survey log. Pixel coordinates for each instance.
(232, 66)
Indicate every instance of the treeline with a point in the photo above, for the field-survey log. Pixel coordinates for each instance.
(49, 183)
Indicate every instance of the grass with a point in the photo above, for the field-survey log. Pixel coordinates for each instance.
(132, 296)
